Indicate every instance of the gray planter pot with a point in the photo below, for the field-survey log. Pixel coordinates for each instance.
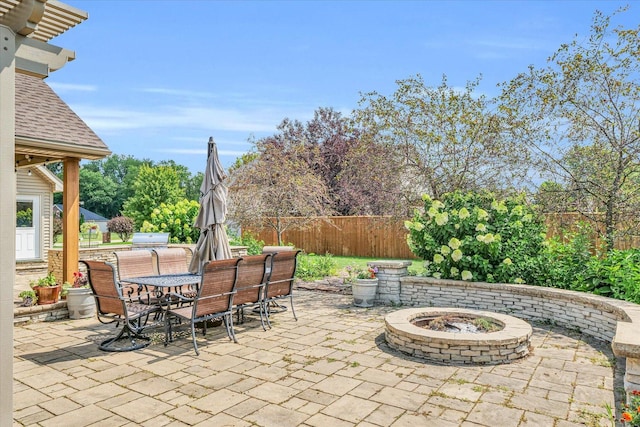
(80, 303)
(364, 292)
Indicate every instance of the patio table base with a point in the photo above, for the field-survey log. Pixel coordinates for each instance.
(132, 341)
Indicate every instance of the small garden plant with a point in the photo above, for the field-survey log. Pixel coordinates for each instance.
(29, 298)
(312, 266)
(355, 272)
(48, 280)
(631, 414)
(254, 246)
(91, 231)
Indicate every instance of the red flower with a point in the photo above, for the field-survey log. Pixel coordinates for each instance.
(626, 417)
(78, 279)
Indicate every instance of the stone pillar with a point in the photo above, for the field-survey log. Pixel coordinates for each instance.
(625, 344)
(389, 274)
(632, 376)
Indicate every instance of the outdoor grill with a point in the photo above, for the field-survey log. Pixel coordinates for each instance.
(149, 240)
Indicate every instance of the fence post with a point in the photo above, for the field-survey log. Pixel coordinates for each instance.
(389, 274)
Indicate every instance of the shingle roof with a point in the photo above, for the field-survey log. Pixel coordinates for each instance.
(42, 115)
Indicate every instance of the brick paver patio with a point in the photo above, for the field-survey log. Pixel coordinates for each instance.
(331, 368)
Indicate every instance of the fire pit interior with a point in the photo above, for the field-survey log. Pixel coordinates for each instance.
(459, 336)
(458, 323)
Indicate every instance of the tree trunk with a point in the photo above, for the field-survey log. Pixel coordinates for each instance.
(279, 231)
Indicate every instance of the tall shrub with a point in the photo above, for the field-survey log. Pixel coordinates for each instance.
(176, 219)
(474, 236)
(567, 263)
(254, 246)
(123, 225)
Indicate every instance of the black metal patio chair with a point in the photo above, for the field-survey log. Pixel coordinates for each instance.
(113, 306)
(253, 274)
(214, 300)
(138, 263)
(280, 283)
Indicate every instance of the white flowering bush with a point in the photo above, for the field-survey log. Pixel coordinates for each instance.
(476, 237)
(176, 219)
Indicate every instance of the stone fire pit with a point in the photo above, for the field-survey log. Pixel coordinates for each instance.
(509, 343)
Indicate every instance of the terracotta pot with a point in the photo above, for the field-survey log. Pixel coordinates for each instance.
(47, 294)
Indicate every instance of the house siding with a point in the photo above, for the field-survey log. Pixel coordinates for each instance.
(36, 185)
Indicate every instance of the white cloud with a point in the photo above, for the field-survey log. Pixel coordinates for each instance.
(199, 151)
(178, 92)
(200, 141)
(71, 87)
(106, 119)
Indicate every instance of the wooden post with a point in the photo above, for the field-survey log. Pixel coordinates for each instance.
(70, 218)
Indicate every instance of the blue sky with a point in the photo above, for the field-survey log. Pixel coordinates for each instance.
(155, 79)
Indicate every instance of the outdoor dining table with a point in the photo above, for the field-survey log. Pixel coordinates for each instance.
(163, 284)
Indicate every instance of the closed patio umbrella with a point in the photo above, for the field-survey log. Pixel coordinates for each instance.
(212, 243)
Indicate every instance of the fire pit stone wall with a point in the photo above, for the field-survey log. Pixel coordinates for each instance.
(510, 343)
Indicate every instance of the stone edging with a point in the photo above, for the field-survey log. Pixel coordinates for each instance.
(40, 313)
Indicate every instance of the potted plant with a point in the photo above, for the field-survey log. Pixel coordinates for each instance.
(64, 291)
(29, 298)
(80, 301)
(631, 411)
(364, 285)
(46, 289)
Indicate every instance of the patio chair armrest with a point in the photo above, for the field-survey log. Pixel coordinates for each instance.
(110, 297)
(175, 296)
(219, 295)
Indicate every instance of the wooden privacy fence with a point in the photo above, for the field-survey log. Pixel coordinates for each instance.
(557, 222)
(367, 236)
(386, 237)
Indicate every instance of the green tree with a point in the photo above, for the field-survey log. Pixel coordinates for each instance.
(190, 184)
(553, 197)
(447, 138)
(97, 192)
(192, 189)
(579, 116)
(277, 189)
(244, 159)
(56, 168)
(121, 170)
(153, 186)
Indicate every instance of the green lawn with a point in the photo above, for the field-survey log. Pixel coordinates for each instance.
(115, 240)
(343, 261)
